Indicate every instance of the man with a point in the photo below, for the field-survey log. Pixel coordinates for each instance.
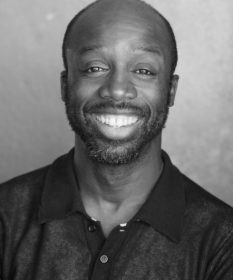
(115, 207)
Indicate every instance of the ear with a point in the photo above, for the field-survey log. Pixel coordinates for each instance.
(63, 81)
(173, 88)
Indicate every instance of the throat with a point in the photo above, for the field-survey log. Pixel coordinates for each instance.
(110, 216)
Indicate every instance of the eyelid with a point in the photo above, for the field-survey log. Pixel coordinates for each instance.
(148, 66)
(148, 76)
(93, 63)
(152, 73)
(87, 68)
(102, 69)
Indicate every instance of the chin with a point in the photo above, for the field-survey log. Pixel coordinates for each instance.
(113, 153)
(118, 152)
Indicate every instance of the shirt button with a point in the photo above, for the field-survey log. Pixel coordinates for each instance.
(123, 227)
(92, 228)
(104, 259)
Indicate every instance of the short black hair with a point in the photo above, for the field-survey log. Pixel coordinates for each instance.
(174, 53)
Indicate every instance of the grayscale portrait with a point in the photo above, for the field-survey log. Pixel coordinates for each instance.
(116, 140)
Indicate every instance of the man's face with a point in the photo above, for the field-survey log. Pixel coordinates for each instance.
(118, 86)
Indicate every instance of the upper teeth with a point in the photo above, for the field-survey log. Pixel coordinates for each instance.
(117, 120)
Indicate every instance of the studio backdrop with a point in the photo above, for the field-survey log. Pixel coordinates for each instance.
(199, 133)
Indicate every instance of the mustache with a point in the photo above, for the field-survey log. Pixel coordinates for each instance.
(141, 110)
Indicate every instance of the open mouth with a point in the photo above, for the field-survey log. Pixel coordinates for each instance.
(116, 121)
(116, 126)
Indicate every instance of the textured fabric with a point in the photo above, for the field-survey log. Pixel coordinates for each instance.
(181, 232)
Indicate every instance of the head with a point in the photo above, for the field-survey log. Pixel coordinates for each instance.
(119, 82)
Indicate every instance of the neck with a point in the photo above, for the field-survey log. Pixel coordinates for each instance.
(114, 194)
(121, 183)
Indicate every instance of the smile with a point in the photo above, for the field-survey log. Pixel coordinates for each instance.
(116, 121)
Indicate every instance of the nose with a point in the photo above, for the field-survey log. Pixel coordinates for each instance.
(118, 87)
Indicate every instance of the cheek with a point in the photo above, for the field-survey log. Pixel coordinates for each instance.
(154, 96)
(157, 101)
(81, 91)
(154, 91)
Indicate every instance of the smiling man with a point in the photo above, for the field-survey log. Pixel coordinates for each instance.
(115, 207)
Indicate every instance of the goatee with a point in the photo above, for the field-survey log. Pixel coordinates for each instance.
(116, 152)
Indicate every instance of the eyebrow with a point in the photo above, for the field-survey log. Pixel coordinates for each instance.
(86, 49)
(150, 49)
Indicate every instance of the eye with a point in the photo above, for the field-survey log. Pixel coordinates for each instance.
(95, 69)
(144, 72)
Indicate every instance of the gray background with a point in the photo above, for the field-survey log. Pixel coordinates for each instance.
(33, 126)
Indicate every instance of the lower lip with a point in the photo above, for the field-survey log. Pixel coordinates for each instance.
(115, 133)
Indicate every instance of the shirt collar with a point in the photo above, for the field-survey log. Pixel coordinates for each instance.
(163, 210)
(60, 196)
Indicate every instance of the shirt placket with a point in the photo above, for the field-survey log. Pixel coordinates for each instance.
(103, 250)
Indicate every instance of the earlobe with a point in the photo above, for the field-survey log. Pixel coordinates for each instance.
(63, 81)
(173, 88)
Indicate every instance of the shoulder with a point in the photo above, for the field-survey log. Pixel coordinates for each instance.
(22, 192)
(199, 198)
(24, 182)
(208, 227)
(205, 212)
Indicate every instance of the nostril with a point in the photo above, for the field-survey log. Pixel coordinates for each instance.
(132, 92)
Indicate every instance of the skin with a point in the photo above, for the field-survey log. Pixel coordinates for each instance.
(119, 56)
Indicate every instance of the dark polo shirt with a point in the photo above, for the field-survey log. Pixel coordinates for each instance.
(180, 233)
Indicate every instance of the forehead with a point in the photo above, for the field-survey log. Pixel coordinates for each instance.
(112, 22)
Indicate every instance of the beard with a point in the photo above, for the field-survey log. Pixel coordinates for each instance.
(115, 152)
